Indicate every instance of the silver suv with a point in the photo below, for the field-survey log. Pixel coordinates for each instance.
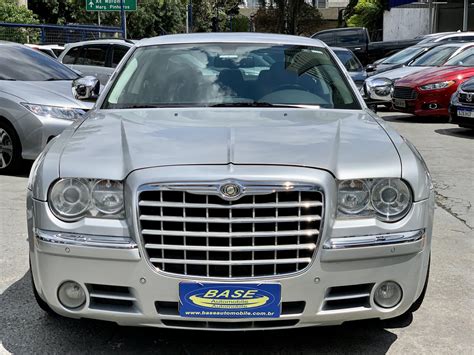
(97, 58)
(230, 181)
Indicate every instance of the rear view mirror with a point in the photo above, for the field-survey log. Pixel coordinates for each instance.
(86, 88)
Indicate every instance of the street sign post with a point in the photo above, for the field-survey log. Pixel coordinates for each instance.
(111, 5)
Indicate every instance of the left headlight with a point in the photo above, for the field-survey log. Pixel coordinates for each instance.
(72, 199)
(436, 86)
(388, 200)
(64, 113)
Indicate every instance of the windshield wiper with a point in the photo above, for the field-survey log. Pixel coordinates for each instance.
(253, 104)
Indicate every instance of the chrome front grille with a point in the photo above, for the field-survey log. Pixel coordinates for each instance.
(405, 93)
(466, 97)
(192, 230)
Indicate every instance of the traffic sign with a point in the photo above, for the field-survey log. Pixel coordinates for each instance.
(110, 5)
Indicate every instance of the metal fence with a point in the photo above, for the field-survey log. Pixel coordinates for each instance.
(54, 34)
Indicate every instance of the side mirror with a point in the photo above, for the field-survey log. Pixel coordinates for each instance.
(370, 68)
(86, 88)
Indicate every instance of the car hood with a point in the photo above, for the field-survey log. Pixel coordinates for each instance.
(112, 143)
(436, 74)
(53, 93)
(397, 73)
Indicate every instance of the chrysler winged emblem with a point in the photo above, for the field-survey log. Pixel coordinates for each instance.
(469, 97)
(230, 191)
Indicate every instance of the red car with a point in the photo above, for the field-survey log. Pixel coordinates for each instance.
(428, 92)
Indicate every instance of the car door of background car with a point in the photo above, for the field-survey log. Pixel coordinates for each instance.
(118, 52)
(90, 60)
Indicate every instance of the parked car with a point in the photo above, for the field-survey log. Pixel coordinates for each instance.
(378, 88)
(36, 103)
(53, 50)
(191, 198)
(461, 108)
(450, 37)
(97, 58)
(428, 92)
(357, 39)
(352, 64)
(400, 59)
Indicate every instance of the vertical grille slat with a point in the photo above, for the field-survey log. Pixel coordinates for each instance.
(263, 233)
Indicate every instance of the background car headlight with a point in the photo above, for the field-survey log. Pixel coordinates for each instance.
(65, 113)
(436, 86)
(388, 200)
(72, 199)
(379, 87)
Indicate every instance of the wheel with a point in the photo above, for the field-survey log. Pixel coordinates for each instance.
(10, 149)
(42, 304)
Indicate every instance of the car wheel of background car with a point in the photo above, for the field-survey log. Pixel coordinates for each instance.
(10, 149)
(42, 304)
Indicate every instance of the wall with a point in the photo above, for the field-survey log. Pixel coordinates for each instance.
(405, 23)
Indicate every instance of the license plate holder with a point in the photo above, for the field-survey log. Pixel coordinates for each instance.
(221, 300)
(399, 103)
(465, 112)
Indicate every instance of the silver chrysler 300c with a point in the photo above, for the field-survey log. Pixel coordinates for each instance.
(229, 182)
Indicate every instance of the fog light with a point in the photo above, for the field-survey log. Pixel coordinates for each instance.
(388, 294)
(71, 295)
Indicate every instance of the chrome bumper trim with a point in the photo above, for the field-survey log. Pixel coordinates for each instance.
(85, 240)
(374, 240)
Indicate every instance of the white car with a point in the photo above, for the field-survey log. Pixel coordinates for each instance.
(95, 58)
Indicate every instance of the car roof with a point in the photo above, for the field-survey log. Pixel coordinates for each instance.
(340, 49)
(340, 30)
(457, 44)
(456, 34)
(231, 37)
(128, 43)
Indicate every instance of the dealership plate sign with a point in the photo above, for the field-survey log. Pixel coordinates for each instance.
(110, 5)
(204, 300)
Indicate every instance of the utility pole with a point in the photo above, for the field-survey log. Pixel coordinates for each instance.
(123, 19)
(465, 18)
(430, 15)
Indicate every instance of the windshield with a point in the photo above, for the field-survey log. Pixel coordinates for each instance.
(230, 74)
(404, 56)
(465, 59)
(435, 57)
(25, 64)
(349, 60)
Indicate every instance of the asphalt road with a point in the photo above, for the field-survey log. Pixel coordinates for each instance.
(443, 325)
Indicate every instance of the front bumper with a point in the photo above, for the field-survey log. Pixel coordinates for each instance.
(461, 121)
(433, 103)
(338, 286)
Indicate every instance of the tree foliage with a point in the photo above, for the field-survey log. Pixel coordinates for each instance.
(11, 12)
(287, 16)
(366, 13)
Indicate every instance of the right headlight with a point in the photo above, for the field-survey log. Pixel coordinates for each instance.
(388, 200)
(71, 199)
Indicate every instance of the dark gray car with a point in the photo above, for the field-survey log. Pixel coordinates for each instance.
(36, 103)
(352, 64)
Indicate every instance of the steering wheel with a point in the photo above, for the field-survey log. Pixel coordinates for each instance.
(290, 87)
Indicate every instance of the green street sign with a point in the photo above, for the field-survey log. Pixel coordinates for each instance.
(110, 5)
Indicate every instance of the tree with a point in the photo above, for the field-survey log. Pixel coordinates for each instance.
(11, 12)
(366, 13)
(287, 16)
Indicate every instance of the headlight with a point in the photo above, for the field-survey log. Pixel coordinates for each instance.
(436, 86)
(65, 113)
(380, 87)
(72, 199)
(386, 199)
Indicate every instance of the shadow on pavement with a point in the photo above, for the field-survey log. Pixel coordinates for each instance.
(24, 170)
(25, 328)
(457, 132)
(414, 119)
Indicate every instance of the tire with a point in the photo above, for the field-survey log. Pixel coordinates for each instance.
(10, 150)
(42, 304)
